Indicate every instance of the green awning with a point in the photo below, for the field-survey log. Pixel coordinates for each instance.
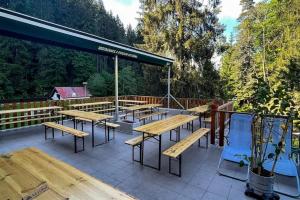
(22, 26)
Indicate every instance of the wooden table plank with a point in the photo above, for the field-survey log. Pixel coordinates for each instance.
(63, 180)
(133, 101)
(91, 104)
(199, 109)
(140, 107)
(86, 115)
(159, 127)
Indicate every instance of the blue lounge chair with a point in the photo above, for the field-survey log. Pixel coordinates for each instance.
(286, 174)
(238, 143)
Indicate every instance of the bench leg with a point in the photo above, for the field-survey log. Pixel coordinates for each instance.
(108, 133)
(177, 135)
(133, 159)
(192, 126)
(179, 169)
(75, 144)
(206, 140)
(62, 123)
(200, 120)
(52, 133)
(105, 135)
(45, 132)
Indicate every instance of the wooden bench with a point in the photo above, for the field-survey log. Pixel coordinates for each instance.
(175, 151)
(76, 133)
(109, 126)
(144, 117)
(136, 142)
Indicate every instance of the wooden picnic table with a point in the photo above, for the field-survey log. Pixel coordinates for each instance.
(91, 104)
(141, 107)
(199, 110)
(133, 101)
(156, 129)
(94, 117)
(15, 116)
(98, 107)
(33, 174)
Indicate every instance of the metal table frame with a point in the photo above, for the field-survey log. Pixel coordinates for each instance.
(159, 139)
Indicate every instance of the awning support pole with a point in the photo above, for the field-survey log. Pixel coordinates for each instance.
(169, 85)
(116, 88)
(169, 95)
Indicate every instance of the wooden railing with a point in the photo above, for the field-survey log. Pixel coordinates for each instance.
(186, 102)
(220, 116)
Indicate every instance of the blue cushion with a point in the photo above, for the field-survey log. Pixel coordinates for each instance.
(235, 154)
(285, 167)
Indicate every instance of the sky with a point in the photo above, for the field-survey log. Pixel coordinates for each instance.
(127, 12)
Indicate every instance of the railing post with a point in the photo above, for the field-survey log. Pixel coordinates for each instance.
(212, 125)
(221, 130)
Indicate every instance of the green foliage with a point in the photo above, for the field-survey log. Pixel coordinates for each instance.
(30, 69)
(98, 84)
(262, 68)
(127, 82)
(188, 31)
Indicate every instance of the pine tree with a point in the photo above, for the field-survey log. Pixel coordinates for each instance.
(188, 31)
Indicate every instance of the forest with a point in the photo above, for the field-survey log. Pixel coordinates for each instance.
(260, 64)
(29, 70)
(261, 67)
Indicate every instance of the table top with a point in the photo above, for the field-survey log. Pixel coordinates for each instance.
(199, 109)
(133, 101)
(29, 109)
(86, 115)
(140, 107)
(91, 104)
(159, 127)
(33, 173)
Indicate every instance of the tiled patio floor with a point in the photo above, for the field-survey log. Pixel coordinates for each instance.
(112, 164)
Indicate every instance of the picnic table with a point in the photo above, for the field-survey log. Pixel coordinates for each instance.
(133, 101)
(127, 103)
(102, 106)
(28, 115)
(156, 129)
(199, 110)
(33, 174)
(94, 117)
(141, 107)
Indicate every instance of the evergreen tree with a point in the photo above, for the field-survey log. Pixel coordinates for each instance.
(265, 55)
(187, 30)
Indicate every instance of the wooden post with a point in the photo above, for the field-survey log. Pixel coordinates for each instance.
(221, 130)
(213, 111)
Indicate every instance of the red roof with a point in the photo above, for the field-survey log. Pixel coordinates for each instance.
(71, 92)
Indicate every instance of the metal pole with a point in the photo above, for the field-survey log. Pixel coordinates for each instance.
(116, 89)
(169, 85)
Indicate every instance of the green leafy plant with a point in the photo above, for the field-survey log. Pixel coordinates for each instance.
(268, 102)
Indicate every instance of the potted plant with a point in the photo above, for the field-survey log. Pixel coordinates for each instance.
(267, 101)
(260, 181)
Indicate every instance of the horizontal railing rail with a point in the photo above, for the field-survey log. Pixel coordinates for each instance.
(186, 102)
